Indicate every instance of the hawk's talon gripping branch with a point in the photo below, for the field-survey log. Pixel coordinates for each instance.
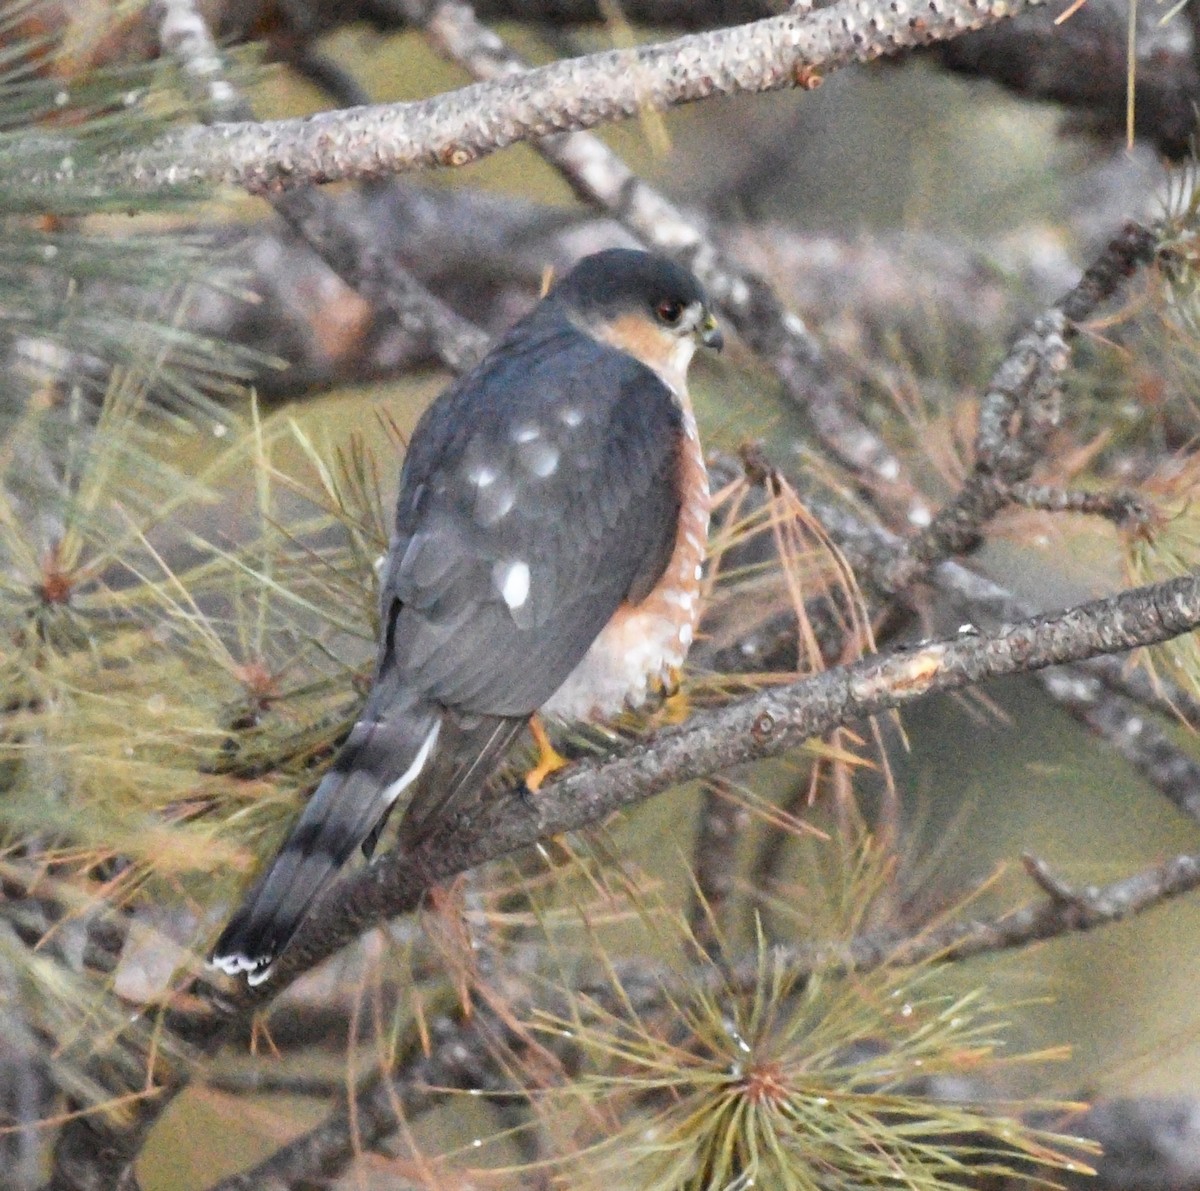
(550, 760)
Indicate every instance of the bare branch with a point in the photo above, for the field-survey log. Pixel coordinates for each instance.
(1052, 917)
(1141, 742)
(318, 219)
(681, 14)
(1018, 412)
(758, 726)
(463, 126)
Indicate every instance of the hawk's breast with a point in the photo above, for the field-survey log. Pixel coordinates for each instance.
(644, 642)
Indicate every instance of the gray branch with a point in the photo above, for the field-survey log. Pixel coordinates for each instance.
(463, 126)
(752, 728)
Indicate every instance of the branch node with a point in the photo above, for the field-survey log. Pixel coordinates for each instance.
(1057, 890)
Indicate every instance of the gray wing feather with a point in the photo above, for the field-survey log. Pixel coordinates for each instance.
(592, 512)
(469, 750)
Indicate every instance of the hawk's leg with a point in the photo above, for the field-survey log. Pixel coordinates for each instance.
(550, 759)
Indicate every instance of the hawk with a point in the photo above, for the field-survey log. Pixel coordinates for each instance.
(549, 536)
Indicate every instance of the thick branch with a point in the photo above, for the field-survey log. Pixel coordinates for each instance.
(464, 125)
(762, 725)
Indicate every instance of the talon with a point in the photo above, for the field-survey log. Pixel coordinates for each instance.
(550, 760)
(676, 705)
(676, 708)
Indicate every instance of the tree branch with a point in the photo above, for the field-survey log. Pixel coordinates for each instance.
(465, 125)
(1052, 917)
(1019, 410)
(752, 728)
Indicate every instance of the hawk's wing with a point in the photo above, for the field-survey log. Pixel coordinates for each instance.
(539, 492)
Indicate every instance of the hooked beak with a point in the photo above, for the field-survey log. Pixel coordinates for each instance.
(710, 334)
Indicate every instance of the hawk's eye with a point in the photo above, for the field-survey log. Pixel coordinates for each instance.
(669, 311)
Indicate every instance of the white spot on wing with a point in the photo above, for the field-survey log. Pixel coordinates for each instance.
(481, 474)
(512, 580)
(539, 458)
(495, 502)
(410, 775)
(530, 432)
(570, 416)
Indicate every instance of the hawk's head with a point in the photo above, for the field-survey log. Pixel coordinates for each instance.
(643, 304)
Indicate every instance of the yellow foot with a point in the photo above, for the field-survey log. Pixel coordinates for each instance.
(550, 760)
(676, 708)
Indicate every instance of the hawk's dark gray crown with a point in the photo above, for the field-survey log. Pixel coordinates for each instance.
(625, 280)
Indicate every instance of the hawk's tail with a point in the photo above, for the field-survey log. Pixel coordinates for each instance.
(376, 764)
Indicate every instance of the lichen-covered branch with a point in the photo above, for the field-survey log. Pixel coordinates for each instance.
(752, 728)
(465, 125)
(1018, 413)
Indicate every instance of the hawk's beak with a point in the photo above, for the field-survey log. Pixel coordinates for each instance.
(710, 334)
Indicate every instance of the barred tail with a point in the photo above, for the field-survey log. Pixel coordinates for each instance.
(376, 764)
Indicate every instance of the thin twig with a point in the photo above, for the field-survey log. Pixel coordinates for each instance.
(1018, 413)
(1126, 510)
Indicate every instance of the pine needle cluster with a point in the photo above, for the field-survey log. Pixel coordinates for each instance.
(165, 640)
